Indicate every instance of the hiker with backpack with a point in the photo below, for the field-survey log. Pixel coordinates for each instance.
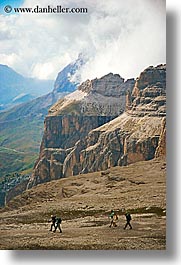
(128, 220)
(114, 218)
(57, 224)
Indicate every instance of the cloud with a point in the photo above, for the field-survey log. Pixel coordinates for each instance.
(117, 36)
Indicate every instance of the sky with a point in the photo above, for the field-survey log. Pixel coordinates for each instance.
(121, 37)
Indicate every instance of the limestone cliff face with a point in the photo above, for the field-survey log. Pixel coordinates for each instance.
(122, 141)
(93, 104)
(65, 130)
(82, 133)
(150, 77)
(138, 134)
(149, 94)
(60, 135)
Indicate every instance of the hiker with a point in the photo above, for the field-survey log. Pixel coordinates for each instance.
(53, 220)
(113, 218)
(57, 224)
(128, 219)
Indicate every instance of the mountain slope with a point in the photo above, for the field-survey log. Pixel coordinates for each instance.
(84, 203)
(21, 127)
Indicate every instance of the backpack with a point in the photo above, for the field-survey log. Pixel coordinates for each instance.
(58, 220)
(128, 216)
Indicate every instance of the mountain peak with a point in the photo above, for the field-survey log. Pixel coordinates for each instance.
(4, 66)
(100, 96)
(108, 85)
(63, 82)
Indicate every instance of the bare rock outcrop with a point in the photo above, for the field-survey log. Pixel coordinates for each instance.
(149, 94)
(98, 97)
(124, 140)
(85, 132)
(138, 134)
(93, 104)
(150, 77)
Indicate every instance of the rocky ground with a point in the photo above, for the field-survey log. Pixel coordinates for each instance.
(84, 203)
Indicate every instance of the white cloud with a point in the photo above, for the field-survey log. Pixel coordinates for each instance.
(118, 36)
(42, 70)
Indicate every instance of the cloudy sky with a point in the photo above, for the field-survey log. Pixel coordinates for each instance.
(121, 37)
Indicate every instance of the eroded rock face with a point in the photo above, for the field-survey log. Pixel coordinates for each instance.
(109, 85)
(60, 135)
(149, 94)
(65, 130)
(99, 97)
(151, 77)
(81, 142)
(139, 134)
(124, 140)
(95, 103)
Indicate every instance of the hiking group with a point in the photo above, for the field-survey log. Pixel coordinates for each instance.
(114, 218)
(56, 223)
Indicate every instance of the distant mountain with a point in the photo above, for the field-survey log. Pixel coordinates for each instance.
(63, 83)
(16, 89)
(21, 127)
(40, 105)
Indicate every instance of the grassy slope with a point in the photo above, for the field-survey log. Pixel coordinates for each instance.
(19, 144)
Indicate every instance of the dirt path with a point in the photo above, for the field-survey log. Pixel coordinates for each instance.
(87, 233)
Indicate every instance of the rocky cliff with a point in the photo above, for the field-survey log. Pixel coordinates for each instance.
(99, 97)
(71, 147)
(138, 134)
(149, 93)
(122, 141)
(93, 104)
